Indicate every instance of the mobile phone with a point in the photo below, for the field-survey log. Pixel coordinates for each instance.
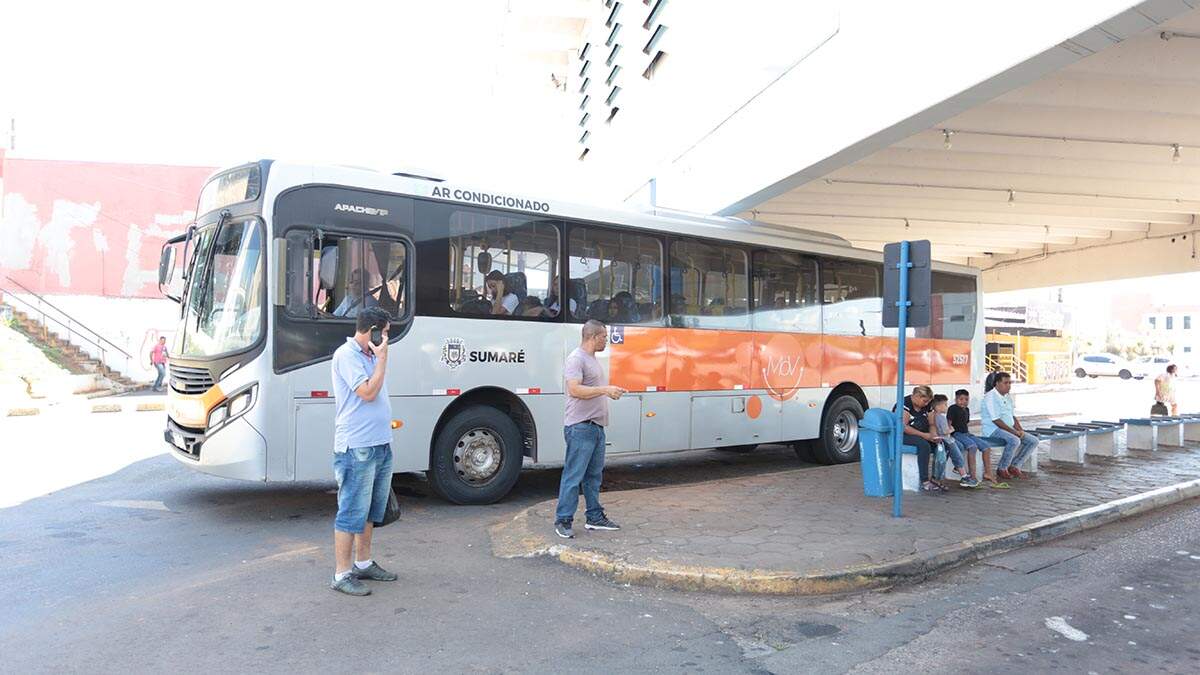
(376, 336)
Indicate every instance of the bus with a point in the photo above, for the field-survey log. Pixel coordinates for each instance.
(727, 333)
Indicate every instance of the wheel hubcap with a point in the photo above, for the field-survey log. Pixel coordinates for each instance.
(845, 432)
(478, 456)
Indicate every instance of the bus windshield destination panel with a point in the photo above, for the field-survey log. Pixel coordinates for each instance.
(722, 342)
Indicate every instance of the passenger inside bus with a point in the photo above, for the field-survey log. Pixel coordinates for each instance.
(504, 301)
(354, 299)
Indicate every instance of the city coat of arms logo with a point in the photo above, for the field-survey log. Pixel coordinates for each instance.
(454, 352)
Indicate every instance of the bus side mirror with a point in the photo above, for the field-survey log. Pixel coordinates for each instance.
(166, 271)
(166, 265)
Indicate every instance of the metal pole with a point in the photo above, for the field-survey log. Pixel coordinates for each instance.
(901, 347)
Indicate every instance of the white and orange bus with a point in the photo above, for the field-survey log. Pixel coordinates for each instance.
(726, 332)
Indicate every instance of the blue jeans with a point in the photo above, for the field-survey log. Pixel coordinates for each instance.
(969, 442)
(584, 467)
(364, 478)
(162, 372)
(953, 452)
(1027, 443)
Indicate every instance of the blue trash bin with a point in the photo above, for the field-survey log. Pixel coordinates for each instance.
(875, 433)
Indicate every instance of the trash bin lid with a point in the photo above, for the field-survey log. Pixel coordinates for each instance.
(878, 419)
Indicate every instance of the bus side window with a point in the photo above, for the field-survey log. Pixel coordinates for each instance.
(503, 265)
(615, 277)
(785, 293)
(332, 276)
(852, 294)
(709, 286)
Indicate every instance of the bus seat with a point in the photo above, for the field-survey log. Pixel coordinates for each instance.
(598, 310)
(328, 267)
(577, 291)
(515, 283)
(623, 309)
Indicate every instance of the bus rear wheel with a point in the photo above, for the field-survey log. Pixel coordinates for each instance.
(838, 443)
(477, 456)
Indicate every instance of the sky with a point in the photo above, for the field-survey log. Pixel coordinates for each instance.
(390, 86)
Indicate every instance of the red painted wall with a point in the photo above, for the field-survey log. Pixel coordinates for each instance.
(91, 228)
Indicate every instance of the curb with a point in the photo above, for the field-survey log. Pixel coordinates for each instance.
(106, 408)
(23, 412)
(515, 539)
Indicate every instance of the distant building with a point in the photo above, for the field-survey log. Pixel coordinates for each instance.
(1178, 325)
(1028, 341)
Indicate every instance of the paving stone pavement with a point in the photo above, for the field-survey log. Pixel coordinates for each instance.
(817, 519)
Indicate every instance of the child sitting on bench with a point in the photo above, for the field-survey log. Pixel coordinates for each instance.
(959, 416)
(966, 476)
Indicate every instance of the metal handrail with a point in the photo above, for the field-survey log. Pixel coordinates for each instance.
(10, 296)
(70, 319)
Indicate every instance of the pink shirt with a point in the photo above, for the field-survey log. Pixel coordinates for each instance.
(585, 368)
(158, 354)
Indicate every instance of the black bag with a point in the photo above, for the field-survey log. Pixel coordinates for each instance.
(1159, 408)
(392, 514)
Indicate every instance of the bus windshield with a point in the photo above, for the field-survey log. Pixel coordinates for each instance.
(224, 298)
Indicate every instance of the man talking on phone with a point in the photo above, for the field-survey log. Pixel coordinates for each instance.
(583, 426)
(362, 451)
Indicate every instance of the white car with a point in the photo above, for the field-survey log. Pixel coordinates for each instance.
(1109, 365)
(1154, 365)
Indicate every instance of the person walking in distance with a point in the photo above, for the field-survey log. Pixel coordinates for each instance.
(158, 358)
(1164, 389)
(583, 426)
(362, 451)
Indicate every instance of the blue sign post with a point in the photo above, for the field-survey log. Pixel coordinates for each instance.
(900, 309)
(901, 352)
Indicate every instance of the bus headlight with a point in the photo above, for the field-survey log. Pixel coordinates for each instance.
(234, 406)
(218, 415)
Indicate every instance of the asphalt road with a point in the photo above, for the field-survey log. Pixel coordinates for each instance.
(151, 566)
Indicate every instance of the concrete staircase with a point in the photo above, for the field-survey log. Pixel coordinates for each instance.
(69, 355)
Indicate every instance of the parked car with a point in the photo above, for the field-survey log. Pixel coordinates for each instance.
(1109, 365)
(1154, 365)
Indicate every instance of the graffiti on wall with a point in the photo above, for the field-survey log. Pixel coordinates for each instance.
(92, 228)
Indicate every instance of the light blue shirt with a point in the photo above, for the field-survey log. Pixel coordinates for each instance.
(995, 407)
(359, 423)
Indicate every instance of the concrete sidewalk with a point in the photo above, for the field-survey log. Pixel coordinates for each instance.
(809, 531)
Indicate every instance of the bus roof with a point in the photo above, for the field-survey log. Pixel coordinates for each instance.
(284, 175)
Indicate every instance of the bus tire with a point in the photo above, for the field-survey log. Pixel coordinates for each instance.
(1080, 372)
(477, 456)
(740, 449)
(1125, 374)
(838, 443)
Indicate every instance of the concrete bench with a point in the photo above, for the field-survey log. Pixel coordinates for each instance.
(1063, 444)
(1100, 438)
(1191, 427)
(1147, 433)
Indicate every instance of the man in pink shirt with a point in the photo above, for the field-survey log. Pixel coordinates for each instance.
(586, 416)
(158, 357)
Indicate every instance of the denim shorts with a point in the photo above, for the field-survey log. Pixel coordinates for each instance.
(364, 478)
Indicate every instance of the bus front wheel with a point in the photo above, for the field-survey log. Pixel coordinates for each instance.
(477, 456)
(838, 443)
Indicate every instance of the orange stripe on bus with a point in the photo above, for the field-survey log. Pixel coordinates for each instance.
(780, 363)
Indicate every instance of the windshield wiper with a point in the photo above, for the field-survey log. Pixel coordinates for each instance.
(205, 300)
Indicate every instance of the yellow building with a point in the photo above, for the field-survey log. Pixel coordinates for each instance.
(1034, 355)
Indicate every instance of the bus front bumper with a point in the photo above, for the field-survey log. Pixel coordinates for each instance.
(235, 450)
